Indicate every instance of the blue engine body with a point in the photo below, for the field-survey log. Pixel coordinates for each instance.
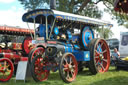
(82, 55)
(79, 55)
(41, 31)
(75, 49)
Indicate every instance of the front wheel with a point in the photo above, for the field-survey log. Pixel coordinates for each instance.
(6, 69)
(38, 68)
(99, 56)
(68, 68)
(35, 52)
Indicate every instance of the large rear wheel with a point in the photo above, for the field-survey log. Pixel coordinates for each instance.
(99, 56)
(68, 67)
(6, 69)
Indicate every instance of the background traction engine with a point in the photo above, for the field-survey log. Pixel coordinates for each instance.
(12, 52)
(65, 42)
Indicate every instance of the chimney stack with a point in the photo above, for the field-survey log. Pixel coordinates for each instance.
(52, 4)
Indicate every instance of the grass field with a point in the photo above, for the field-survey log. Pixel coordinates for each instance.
(112, 77)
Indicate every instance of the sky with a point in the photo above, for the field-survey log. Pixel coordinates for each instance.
(11, 12)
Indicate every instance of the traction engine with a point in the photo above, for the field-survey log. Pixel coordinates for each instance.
(65, 42)
(14, 47)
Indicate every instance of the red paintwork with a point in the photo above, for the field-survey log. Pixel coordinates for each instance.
(11, 55)
(121, 5)
(16, 51)
(27, 45)
(14, 30)
(17, 46)
(24, 59)
(51, 42)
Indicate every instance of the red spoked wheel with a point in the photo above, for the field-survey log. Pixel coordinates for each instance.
(68, 67)
(6, 69)
(99, 56)
(39, 68)
(35, 52)
(27, 45)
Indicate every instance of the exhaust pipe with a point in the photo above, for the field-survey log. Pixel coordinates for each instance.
(52, 4)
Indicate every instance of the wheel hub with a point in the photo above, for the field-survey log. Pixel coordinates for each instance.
(70, 66)
(101, 56)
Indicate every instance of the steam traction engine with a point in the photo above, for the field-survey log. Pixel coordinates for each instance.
(65, 42)
(14, 47)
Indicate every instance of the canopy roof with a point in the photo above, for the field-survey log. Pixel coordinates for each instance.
(121, 6)
(15, 30)
(42, 13)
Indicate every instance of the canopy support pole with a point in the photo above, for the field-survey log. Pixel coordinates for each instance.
(30, 30)
(52, 28)
(34, 28)
(46, 28)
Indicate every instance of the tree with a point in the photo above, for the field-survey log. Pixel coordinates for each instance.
(105, 32)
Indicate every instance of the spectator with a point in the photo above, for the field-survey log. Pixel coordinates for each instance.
(115, 56)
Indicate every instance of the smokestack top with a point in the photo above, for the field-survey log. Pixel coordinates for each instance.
(52, 4)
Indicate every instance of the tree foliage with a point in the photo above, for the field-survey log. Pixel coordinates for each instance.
(105, 32)
(71, 6)
(33, 4)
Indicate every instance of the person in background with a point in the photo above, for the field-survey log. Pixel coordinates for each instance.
(115, 56)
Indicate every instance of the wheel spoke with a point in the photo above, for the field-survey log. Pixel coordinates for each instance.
(101, 44)
(102, 66)
(5, 63)
(7, 66)
(104, 51)
(8, 70)
(72, 73)
(66, 61)
(97, 53)
(97, 63)
(104, 60)
(98, 47)
(65, 69)
(70, 60)
(68, 75)
(96, 57)
(73, 66)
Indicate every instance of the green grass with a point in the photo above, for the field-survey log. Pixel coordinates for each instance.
(112, 77)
